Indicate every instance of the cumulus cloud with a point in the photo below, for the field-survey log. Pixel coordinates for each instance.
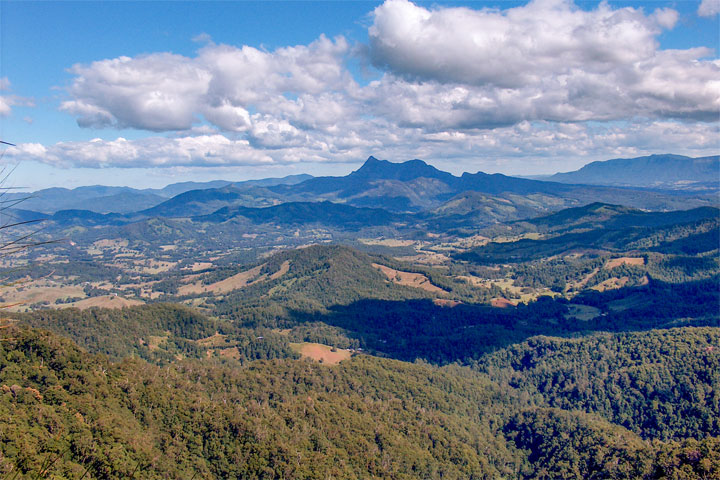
(554, 146)
(452, 82)
(547, 60)
(708, 8)
(164, 92)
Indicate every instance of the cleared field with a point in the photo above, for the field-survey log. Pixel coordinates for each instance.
(502, 303)
(425, 257)
(197, 266)
(518, 292)
(409, 279)
(387, 242)
(43, 291)
(104, 301)
(611, 284)
(506, 239)
(616, 262)
(321, 353)
(581, 284)
(153, 267)
(468, 242)
(284, 268)
(235, 282)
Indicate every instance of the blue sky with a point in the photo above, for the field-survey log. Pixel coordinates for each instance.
(150, 93)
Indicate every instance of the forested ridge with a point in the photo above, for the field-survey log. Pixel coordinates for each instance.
(513, 415)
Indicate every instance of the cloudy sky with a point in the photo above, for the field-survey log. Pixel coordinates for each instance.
(146, 94)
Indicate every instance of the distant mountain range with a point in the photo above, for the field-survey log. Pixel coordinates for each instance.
(378, 193)
(104, 199)
(662, 171)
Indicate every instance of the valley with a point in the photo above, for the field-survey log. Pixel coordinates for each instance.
(444, 326)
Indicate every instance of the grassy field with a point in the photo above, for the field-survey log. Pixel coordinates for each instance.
(321, 353)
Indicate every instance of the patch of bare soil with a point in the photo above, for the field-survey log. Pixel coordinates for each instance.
(321, 353)
(284, 268)
(616, 262)
(409, 279)
(235, 282)
(502, 303)
(611, 284)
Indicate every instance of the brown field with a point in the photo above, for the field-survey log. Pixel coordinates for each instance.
(416, 280)
(103, 301)
(321, 353)
(616, 262)
(511, 239)
(580, 285)
(284, 268)
(611, 284)
(470, 242)
(235, 282)
(502, 303)
(426, 258)
(197, 266)
(41, 291)
(387, 242)
(154, 267)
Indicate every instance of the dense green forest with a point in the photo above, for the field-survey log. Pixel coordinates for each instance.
(68, 414)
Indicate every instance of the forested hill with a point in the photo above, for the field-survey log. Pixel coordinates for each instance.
(654, 170)
(65, 413)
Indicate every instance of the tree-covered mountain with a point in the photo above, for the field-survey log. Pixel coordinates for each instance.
(416, 186)
(605, 227)
(70, 414)
(301, 213)
(126, 200)
(669, 171)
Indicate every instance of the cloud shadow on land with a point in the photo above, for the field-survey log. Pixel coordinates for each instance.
(421, 329)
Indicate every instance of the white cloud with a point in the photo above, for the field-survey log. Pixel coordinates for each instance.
(553, 145)
(7, 101)
(154, 92)
(708, 8)
(5, 106)
(547, 60)
(543, 79)
(164, 92)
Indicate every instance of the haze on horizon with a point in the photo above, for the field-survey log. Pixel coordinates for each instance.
(155, 93)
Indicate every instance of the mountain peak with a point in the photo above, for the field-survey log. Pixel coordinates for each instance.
(410, 170)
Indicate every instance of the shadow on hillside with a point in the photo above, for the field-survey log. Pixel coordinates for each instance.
(412, 329)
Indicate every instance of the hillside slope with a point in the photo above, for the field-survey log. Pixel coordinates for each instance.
(65, 413)
(671, 171)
